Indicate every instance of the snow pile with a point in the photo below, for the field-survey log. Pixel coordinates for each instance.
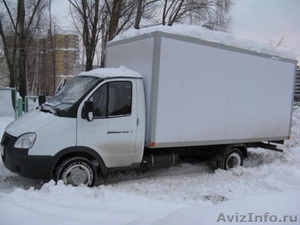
(211, 36)
(266, 190)
(32, 104)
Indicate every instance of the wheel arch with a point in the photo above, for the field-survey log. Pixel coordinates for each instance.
(218, 160)
(80, 151)
(241, 147)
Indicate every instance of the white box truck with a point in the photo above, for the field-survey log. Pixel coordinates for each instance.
(186, 93)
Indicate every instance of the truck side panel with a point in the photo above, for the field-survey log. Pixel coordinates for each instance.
(202, 93)
(209, 95)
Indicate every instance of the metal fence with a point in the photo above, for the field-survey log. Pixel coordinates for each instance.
(8, 102)
(11, 104)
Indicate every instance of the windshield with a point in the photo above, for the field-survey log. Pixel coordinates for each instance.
(72, 93)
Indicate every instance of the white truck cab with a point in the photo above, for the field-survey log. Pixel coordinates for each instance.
(62, 134)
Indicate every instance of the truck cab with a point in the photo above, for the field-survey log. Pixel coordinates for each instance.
(96, 122)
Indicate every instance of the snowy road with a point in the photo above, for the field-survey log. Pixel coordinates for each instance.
(265, 191)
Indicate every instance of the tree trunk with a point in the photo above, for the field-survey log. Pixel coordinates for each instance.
(9, 61)
(89, 64)
(22, 45)
(114, 20)
(138, 15)
(53, 49)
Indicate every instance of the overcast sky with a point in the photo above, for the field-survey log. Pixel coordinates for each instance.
(261, 20)
(258, 20)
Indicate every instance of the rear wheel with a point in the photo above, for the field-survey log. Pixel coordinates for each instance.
(234, 158)
(77, 170)
(230, 159)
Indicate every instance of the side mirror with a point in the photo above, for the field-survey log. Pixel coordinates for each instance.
(42, 99)
(88, 111)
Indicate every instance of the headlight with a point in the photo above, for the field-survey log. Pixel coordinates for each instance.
(25, 141)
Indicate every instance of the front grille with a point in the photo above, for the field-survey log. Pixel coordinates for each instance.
(5, 140)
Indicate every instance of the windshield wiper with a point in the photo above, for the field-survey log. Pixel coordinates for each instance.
(48, 108)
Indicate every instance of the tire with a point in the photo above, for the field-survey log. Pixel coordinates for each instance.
(77, 171)
(231, 158)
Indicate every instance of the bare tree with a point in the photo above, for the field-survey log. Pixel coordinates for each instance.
(173, 10)
(138, 14)
(212, 14)
(280, 43)
(119, 17)
(17, 29)
(4, 75)
(217, 16)
(88, 14)
(10, 47)
(145, 9)
(100, 21)
(52, 47)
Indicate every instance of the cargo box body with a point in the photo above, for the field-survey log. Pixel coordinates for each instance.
(205, 93)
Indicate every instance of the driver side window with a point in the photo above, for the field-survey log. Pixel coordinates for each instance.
(113, 99)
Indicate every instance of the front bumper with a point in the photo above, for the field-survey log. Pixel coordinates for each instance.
(18, 160)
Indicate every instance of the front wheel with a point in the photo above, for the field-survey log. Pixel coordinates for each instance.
(77, 170)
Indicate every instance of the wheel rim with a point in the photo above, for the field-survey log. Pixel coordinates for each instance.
(233, 160)
(76, 175)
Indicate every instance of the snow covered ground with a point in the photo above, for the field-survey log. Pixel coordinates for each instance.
(265, 191)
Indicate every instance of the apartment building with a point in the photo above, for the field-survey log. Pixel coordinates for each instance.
(59, 55)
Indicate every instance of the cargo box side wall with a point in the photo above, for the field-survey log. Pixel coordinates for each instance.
(136, 54)
(215, 95)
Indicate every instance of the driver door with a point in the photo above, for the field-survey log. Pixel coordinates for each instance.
(112, 133)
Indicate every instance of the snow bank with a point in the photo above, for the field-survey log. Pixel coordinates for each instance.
(236, 211)
(58, 204)
(211, 36)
